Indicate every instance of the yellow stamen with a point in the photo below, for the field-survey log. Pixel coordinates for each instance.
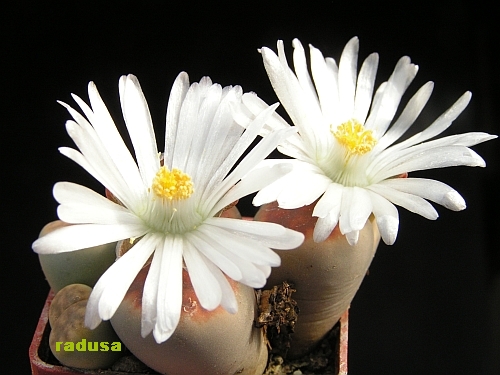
(172, 185)
(354, 137)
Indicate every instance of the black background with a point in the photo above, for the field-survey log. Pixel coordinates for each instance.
(428, 304)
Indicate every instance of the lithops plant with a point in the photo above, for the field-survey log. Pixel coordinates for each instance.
(205, 342)
(325, 275)
(215, 342)
(70, 341)
(182, 295)
(75, 267)
(348, 162)
(168, 204)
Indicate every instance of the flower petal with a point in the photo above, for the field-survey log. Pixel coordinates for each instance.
(150, 293)
(345, 210)
(222, 135)
(441, 123)
(258, 178)
(108, 134)
(228, 299)
(111, 287)
(140, 127)
(175, 100)
(290, 94)
(219, 257)
(387, 217)
(422, 159)
(250, 274)
(303, 191)
(329, 203)
(204, 118)
(247, 249)
(189, 123)
(205, 284)
(97, 161)
(384, 109)
(169, 299)
(82, 236)
(364, 88)
(300, 66)
(352, 237)
(432, 190)
(407, 117)
(361, 208)
(82, 205)
(255, 156)
(124, 272)
(270, 234)
(411, 202)
(241, 145)
(325, 80)
(256, 105)
(325, 225)
(347, 77)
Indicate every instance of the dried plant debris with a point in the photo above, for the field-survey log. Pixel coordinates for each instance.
(277, 315)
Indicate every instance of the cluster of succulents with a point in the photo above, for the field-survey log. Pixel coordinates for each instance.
(163, 262)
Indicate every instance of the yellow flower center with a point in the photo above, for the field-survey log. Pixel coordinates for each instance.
(172, 185)
(354, 137)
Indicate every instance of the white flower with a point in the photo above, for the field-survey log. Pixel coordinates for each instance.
(345, 151)
(170, 203)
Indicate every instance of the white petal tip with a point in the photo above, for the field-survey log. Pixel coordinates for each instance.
(291, 240)
(264, 51)
(36, 248)
(352, 237)
(354, 39)
(296, 43)
(232, 309)
(256, 281)
(321, 235)
(161, 336)
(209, 304)
(228, 300)
(259, 201)
(106, 312)
(300, 238)
(92, 321)
(146, 327)
(289, 203)
(388, 227)
(454, 201)
(145, 332)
